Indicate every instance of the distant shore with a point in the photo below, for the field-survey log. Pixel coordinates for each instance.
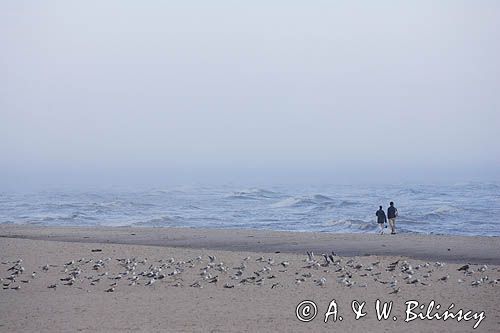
(458, 249)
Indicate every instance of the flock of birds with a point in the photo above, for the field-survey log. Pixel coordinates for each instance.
(202, 271)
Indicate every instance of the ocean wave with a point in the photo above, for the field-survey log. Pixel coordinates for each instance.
(317, 201)
(253, 194)
(162, 221)
(409, 191)
(439, 213)
(293, 202)
(347, 203)
(321, 197)
(351, 225)
(445, 209)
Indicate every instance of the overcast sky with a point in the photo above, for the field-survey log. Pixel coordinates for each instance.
(162, 92)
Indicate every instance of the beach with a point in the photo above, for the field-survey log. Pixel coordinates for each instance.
(208, 280)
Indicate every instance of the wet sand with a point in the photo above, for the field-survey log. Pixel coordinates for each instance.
(438, 248)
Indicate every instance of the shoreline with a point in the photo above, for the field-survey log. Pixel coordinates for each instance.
(452, 249)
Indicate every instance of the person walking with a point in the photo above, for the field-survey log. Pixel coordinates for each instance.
(381, 219)
(392, 213)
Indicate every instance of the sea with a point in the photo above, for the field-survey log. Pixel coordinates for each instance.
(469, 209)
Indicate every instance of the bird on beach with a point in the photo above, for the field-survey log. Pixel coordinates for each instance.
(476, 283)
(327, 260)
(395, 291)
(213, 280)
(321, 282)
(196, 284)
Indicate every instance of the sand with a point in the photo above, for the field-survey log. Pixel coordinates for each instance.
(266, 293)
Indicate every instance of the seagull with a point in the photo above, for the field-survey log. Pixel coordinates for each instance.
(196, 284)
(242, 267)
(214, 279)
(464, 268)
(395, 291)
(321, 282)
(413, 281)
(69, 278)
(110, 290)
(327, 260)
(15, 267)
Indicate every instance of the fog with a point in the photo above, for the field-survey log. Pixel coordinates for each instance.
(127, 93)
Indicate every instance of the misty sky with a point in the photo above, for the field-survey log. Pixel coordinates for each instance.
(173, 92)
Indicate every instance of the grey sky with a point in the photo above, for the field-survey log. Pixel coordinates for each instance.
(152, 92)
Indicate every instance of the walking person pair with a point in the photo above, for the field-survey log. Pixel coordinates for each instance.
(392, 213)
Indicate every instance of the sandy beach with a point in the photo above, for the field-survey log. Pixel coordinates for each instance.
(194, 280)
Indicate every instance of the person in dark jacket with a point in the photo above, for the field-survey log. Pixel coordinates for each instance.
(392, 213)
(381, 219)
